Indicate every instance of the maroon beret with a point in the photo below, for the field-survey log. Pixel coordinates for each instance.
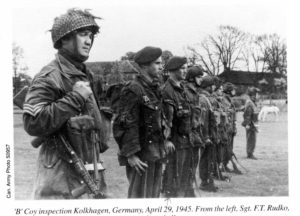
(175, 63)
(147, 55)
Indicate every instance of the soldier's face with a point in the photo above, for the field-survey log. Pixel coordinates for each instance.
(220, 90)
(198, 80)
(213, 88)
(155, 68)
(253, 97)
(84, 40)
(80, 44)
(181, 72)
(233, 92)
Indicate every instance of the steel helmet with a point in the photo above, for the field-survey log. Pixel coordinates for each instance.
(228, 87)
(193, 72)
(72, 20)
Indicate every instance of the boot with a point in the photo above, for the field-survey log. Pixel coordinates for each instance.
(235, 169)
(252, 157)
(208, 186)
(226, 169)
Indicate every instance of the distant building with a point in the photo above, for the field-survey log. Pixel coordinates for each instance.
(110, 73)
(114, 71)
(243, 80)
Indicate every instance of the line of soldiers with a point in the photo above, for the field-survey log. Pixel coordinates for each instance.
(165, 130)
(160, 128)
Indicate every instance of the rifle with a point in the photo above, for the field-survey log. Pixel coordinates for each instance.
(82, 171)
(19, 98)
(81, 190)
(234, 156)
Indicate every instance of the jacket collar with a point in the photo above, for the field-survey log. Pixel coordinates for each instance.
(68, 69)
(145, 81)
(191, 86)
(174, 85)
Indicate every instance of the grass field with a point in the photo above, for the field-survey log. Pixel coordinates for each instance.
(267, 176)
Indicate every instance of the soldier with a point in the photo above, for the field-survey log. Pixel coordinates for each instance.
(250, 121)
(221, 115)
(138, 127)
(208, 128)
(61, 92)
(178, 114)
(193, 80)
(229, 91)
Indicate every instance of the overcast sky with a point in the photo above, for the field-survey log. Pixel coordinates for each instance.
(130, 26)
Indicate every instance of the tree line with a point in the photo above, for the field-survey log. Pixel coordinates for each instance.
(231, 49)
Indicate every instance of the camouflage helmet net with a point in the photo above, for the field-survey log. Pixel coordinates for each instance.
(228, 87)
(72, 20)
(193, 72)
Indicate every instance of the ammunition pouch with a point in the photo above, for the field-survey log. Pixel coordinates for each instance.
(195, 138)
(79, 132)
(184, 122)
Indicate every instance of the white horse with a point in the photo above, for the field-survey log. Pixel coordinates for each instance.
(265, 110)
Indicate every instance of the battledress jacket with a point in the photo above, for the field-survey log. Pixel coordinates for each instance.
(49, 104)
(206, 113)
(215, 117)
(140, 122)
(231, 113)
(250, 114)
(196, 136)
(177, 109)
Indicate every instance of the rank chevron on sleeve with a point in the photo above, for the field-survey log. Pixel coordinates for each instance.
(33, 109)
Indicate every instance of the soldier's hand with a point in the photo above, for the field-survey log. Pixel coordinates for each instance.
(83, 88)
(135, 162)
(247, 127)
(169, 146)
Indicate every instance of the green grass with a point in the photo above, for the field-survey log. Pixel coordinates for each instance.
(267, 176)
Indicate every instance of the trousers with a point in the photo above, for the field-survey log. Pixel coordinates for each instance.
(178, 173)
(148, 184)
(251, 141)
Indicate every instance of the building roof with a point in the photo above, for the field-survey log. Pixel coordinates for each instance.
(104, 68)
(248, 78)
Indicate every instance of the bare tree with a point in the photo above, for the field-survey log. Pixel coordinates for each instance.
(19, 68)
(252, 54)
(205, 55)
(274, 53)
(220, 52)
(229, 43)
